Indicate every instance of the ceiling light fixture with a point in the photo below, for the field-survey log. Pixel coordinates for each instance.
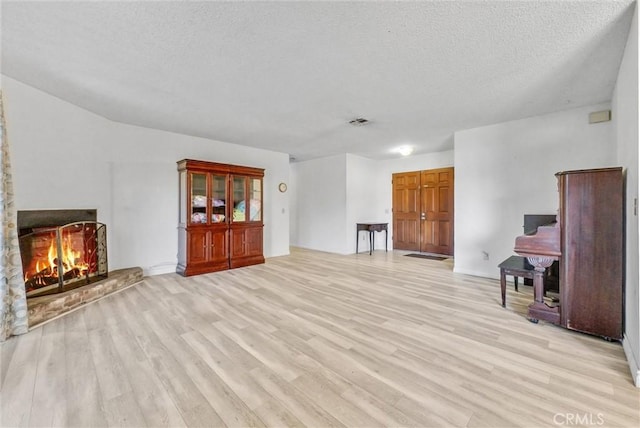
(403, 150)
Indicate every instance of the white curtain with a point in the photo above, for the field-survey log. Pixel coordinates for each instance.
(13, 301)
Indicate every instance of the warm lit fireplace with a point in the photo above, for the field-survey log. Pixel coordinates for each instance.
(62, 257)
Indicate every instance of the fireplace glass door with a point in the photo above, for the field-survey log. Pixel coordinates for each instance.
(61, 258)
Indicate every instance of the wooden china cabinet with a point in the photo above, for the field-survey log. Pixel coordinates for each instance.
(220, 217)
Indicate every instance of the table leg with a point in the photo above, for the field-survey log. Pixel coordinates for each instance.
(503, 286)
(373, 240)
(386, 239)
(370, 242)
(357, 237)
(515, 282)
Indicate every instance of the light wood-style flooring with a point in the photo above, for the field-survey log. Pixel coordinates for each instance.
(314, 339)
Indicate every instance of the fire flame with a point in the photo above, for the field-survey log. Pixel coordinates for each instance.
(48, 265)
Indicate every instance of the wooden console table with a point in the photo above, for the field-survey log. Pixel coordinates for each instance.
(372, 227)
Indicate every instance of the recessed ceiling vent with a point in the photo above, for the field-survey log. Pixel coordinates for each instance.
(358, 122)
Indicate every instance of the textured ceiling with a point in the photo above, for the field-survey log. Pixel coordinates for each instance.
(288, 76)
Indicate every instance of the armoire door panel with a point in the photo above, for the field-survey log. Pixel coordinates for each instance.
(219, 246)
(198, 252)
(237, 243)
(253, 240)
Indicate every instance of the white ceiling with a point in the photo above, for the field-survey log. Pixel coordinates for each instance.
(288, 76)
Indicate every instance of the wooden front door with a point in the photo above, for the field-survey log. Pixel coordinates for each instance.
(406, 214)
(436, 221)
(423, 211)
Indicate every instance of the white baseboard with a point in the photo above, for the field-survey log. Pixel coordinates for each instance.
(159, 269)
(631, 359)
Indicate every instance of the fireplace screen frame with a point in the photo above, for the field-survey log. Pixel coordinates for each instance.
(93, 252)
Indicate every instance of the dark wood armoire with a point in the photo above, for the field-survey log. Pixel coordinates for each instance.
(220, 217)
(591, 242)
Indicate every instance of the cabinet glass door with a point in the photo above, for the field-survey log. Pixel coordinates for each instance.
(198, 209)
(239, 199)
(255, 199)
(218, 199)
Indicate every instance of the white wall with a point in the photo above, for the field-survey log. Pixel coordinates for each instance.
(361, 197)
(321, 195)
(66, 157)
(625, 118)
(506, 170)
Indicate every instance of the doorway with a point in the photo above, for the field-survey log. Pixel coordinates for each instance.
(423, 211)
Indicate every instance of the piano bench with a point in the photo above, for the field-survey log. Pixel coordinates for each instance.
(517, 267)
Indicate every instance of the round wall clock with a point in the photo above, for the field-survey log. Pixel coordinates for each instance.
(282, 187)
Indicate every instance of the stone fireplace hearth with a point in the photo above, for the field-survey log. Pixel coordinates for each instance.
(45, 308)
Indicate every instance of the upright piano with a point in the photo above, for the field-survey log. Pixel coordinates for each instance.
(587, 239)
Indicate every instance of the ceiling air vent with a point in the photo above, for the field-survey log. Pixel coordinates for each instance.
(359, 121)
